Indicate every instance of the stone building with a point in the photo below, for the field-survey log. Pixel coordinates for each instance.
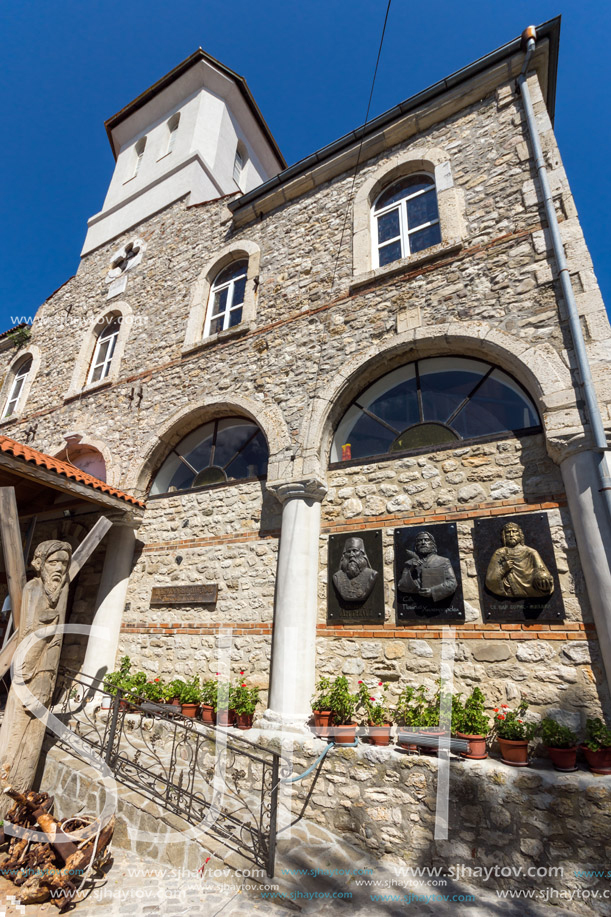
(373, 342)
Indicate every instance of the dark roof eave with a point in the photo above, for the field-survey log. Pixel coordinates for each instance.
(549, 30)
(156, 88)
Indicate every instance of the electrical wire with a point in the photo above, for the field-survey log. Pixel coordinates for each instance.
(358, 157)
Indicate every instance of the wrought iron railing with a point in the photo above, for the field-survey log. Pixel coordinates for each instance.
(223, 784)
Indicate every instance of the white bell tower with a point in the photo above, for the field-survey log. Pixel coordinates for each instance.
(197, 132)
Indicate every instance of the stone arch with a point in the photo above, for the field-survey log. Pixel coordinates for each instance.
(33, 352)
(538, 368)
(432, 160)
(79, 376)
(181, 422)
(200, 293)
(82, 438)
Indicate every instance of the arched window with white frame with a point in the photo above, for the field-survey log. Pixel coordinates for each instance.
(22, 372)
(104, 350)
(226, 298)
(405, 219)
(139, 151)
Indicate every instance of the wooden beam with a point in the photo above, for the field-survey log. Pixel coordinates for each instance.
(88, 545)
(12, 549)
(7, 652)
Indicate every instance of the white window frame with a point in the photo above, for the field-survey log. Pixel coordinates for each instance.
(405, 231)
(230, 306)
(106, 361)
(17, 387)
(173, 130)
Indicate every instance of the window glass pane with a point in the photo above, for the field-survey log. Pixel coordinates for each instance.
(216, 325)
(238, 291)
(390, 253)
(388, 226)
(103, 351)
(220, 301)
(444, 383)
(96, 375)
(251, 461)
(495, 407)
(403, 188)
(398, 406)
(368, 437)
(199, 457)
(235, 317)
(424, 238)
(421, 209)
(110, 329)
(231, 272)
(231, 438)
(24, 368)
(182, 478)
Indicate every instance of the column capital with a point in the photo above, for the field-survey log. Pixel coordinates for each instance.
(128, 519)
(313, 488)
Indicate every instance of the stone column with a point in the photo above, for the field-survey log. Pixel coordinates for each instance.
(293, 663)
(593, 534)
(110, 602)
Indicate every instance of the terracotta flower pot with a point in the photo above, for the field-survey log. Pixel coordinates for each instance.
(189, 710)
(410, 747)
(244, 720)
(322, 722)
(225, 717)
(599, 761)
(175, 702)
(380, 735)
(208, 715)
(563, 759)
(514, 752)
(477, 746)
(345, 734)
(431, 731)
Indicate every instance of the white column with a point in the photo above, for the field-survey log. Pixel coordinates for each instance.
(294, 638)
(593, 535)
(110, 602)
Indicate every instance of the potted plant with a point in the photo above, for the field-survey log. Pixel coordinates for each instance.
(190, 697)
(244, 702)
(154, 691)
(321, 707)
(471, 722)
(513, 734)
(597, 746)
(173, 692)
(208, 702)
(119, 680)
(225, 714)
(377, 713)
(412, 711)
(561, 743)
(343, 706)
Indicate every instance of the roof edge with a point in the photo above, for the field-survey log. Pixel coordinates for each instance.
(549, 30)
(174, 74)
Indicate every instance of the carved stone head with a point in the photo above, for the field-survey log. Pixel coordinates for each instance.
(51, 561)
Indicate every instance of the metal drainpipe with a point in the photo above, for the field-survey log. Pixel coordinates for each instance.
(593, 414)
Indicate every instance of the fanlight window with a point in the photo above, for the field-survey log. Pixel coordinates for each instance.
(224, 450)
(432, 402)
(104, 350)
(406, 219)
(226, 298)
(17, 387)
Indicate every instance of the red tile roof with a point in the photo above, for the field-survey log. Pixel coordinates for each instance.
(17, 450)
(8, 331)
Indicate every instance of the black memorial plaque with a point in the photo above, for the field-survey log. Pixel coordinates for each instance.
(355, 597)
(428, 583)
(514, 578)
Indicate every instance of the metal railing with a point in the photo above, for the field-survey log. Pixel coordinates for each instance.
(223, 784)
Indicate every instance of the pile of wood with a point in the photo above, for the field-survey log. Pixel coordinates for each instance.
(51, 869)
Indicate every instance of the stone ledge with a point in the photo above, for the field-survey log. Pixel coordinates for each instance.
(404, 265)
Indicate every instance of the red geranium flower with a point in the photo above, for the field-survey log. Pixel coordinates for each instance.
(243, 686)
(496, 709)
(501, 717)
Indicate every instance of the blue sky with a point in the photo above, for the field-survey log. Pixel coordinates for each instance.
(67, 66)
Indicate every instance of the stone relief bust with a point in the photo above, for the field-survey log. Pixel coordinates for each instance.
(426, 573)
(355, 578)
(517, 571)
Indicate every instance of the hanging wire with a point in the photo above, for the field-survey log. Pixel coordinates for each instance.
(358, 157)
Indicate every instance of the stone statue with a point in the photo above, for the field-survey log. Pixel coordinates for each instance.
(355, 578)
(517, 571)
(43, 604)
(426, 573)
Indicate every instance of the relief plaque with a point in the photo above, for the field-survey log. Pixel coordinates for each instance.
(516, 568)
(427, 574)
(184, 595)
(355, 587)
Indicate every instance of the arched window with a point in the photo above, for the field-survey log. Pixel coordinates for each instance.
(238, 165)
(172, 130)
(83, 456)
(104, 350)
(221, 451)
(429, 403)
(406, 219)
(139, 151)
(226, 298)
(19, 379)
